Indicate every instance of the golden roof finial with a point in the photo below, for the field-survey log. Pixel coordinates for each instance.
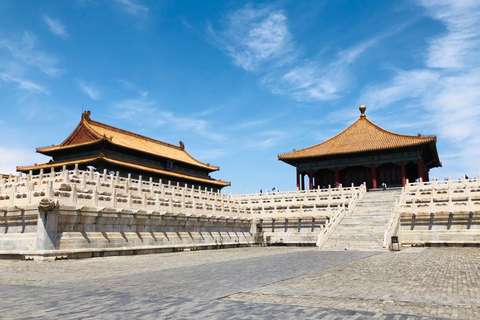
(362, 111)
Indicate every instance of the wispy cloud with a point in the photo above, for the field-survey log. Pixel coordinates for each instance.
(131, 86)
(258, 40)
(255, 37)
(56, 27)
(23, 83)
(447, 89)
(10, 159)
(134, 108)
(454, 48)
(24, 50)
(182, 123)
(133, 7)
(147, 109)
(89, 89)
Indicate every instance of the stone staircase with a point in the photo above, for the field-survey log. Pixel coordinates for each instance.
(364, 228)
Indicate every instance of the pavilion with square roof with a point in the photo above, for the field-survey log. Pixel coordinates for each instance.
(365, 152)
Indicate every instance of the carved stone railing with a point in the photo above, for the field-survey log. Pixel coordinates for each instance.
(90, 188)
(333, 222)
(394, 222)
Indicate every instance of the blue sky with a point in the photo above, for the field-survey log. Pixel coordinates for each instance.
(240, 82)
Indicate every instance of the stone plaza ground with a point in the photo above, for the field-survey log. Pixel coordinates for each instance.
(248, 283)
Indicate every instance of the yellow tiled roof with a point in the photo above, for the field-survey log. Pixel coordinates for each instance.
(118, 161)
(363, 135)
(130, 140)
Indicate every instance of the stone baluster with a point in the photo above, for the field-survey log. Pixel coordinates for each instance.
(13, 190)
(129, 200)
(170, 203)
(74, 197)
(95, 196)
(140, 185)
(90, 173)
(83, 180)
(470, 208)
(30, 189)
(144, 200)
(98, 180)
(75, 170)
(66, 177)
(114, 198)
(157, 202)
(117, 177)
(3, 181)
(49, 194)
(40, 178)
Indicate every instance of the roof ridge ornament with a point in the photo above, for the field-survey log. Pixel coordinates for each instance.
(362, 109)
(86, 115)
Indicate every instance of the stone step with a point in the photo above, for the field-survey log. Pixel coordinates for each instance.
(348, 233)
(364, 228)
(360, 236)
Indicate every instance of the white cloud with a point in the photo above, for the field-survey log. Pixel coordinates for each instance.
(13, 157)
(131, 86)
(258, 40)
(312, 81)
(23, 83)
(24, 50)
(256, 37)
(89, 89)
(454, 49)
(141, 109)
(198, 126)
(56, 27)
(405, 85)
(447, 89)
(133, 7)
(133, 108)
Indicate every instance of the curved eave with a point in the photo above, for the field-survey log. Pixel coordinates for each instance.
(433, 149)
(49, 151)
(343, 137)
(26, 169)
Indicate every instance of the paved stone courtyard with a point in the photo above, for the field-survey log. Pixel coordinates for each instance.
(248, 283)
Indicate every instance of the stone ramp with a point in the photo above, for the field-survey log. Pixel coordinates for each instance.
(364, 228)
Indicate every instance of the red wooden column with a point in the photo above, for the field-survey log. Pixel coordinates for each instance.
(303, 182)
(374, 177)
(337, 176)
(310, 178)
(298, 180)
(404, 179)
(421, 170)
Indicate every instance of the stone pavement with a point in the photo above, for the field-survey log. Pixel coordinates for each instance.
(248, 283)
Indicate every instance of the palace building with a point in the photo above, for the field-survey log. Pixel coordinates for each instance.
(115, 150)
(364, 152)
